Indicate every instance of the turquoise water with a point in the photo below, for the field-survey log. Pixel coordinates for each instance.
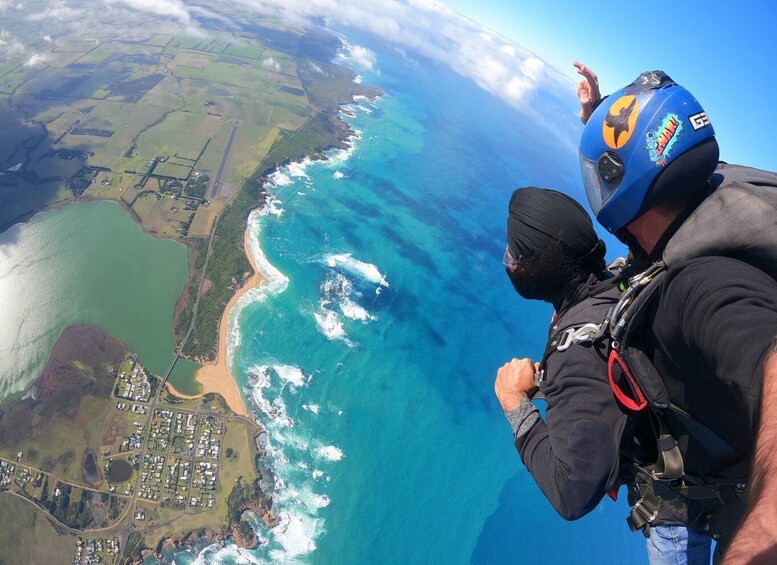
(370, 353)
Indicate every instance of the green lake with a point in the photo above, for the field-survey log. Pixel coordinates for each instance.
(87, 263)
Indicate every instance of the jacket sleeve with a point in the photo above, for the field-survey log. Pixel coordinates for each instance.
(573, 455)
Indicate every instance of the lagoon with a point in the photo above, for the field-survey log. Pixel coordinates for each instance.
(87, 263)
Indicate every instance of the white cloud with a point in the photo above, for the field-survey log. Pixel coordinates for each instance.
(10, 47)
(36, 59)
(423, 28)
(47, 38)
(271, 64)
(175, 9)
(57, 10)
(362, 57)
(432, 30)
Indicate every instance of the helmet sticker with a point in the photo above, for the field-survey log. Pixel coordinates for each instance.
(699, 121)
(620, 121)
(661, 141)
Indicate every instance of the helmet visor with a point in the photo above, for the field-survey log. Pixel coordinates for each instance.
(598, 191)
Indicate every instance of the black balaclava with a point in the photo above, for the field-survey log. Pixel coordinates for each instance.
(555, 238)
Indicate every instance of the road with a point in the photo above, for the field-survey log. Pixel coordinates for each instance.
(70, 530)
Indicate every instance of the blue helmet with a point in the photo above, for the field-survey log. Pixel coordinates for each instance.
(632, 138)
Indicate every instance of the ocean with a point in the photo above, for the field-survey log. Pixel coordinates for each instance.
(370, 350)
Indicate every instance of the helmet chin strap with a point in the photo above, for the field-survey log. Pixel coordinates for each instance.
(625, 237)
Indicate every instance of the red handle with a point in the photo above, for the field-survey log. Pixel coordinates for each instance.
(625, 399)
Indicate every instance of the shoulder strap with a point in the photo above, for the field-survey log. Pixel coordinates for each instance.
(648, 385)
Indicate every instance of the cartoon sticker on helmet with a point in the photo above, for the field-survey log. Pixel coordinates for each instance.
(620, 121)
(661, 141)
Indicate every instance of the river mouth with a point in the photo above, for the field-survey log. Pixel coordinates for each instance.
(119, 471)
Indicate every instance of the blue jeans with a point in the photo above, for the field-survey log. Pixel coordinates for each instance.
(670, 544)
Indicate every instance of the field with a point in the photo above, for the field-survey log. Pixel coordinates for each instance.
(55, 433)
(292, 134)
(134, 116)
(28, 537)
(204, 218)
(124, 101)
(137, 108)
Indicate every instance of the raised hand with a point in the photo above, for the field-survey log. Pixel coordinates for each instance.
(587, 91)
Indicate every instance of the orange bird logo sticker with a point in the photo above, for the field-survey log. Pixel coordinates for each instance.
(620, 121)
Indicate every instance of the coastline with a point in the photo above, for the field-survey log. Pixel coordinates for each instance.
(216, 377)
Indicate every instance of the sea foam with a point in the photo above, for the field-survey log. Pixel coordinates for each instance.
(355, 312)
(330, 452)
(289, 451)
(291, 448)
(296, 533)
(364, 270)
(298, 169)
(226, 554)
(329, 324)
(273, 280)
(292, 375)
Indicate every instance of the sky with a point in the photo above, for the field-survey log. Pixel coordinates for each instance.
(722, 52)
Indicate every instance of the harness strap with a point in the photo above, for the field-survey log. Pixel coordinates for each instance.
(725, 501)
(706, 437)
(645, 510)
(670, 461)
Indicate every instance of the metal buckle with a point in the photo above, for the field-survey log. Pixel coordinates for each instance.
(644, 512)
(583, 334)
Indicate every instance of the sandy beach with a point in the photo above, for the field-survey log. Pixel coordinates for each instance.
(215, 377)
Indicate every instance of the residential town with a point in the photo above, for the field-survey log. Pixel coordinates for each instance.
(96, 551)
(180, 467)
(133, 382)
(163, 456)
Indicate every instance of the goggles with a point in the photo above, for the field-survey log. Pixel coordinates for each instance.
(510, 262)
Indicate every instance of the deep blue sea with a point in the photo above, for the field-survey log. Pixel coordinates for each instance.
(369, 353)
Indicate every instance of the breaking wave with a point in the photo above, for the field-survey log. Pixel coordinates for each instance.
(330, 453)
(292, 452)
(217, 553)
(367, 271)
(355, 312)
(339, 295)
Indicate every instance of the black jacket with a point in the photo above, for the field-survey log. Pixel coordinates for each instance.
(708, 335)
(574, 455)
